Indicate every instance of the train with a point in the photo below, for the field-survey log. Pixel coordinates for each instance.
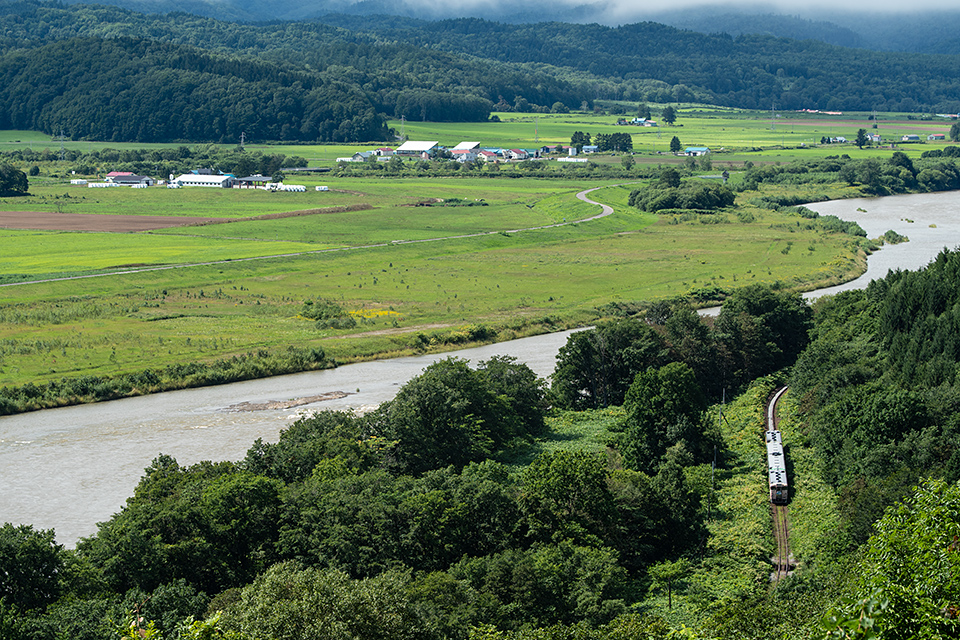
(776, 468)
(776, 463)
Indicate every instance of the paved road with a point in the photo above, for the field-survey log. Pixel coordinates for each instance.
(604, 211)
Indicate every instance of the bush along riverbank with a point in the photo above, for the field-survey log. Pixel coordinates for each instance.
(85, 389)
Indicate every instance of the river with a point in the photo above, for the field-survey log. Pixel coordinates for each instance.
(930, 220)
(70, 468)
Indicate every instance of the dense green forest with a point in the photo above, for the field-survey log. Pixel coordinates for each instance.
(141, 78)
(750, 71)
(106, 73)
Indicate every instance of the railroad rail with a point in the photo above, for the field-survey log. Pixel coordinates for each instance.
(782, 564)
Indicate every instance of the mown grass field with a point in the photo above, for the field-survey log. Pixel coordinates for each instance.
(407, 293)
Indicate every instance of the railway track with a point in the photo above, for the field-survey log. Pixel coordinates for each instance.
(779, 513)
(781, 531)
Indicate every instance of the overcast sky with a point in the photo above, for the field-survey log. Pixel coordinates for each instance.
(811, 9)
(627, 9)
(808, 7)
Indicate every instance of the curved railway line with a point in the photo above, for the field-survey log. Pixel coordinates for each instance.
(782, 561)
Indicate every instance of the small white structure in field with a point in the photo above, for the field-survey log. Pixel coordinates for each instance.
(323, 188)
(101, 185)
(78, 181)
(279, 186)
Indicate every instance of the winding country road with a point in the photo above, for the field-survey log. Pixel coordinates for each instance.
(605, 210)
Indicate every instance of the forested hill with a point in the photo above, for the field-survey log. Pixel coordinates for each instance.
(125, 89)
(117, 75)
(750, 71)
(108, 73)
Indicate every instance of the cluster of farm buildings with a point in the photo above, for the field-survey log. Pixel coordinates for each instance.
(198, 178)
(463, 152)
(876, 138)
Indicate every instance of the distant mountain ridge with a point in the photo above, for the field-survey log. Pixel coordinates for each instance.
(908, 31)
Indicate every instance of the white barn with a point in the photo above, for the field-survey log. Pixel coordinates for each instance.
(417, 148)
(194, 180)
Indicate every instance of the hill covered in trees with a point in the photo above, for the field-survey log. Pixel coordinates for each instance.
(112, 74)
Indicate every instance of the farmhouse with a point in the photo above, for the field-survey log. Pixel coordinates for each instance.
(470, 146)
(417, 149)
(464, 155)
(359, 156)
(910, 137)
(487, 155)
(937, 136)
(196, 180)
(696, 151)
(591, 148)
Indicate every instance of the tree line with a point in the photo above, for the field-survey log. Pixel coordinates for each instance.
(158, 162)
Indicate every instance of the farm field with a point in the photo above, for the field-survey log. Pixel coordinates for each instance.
(742, 135)
(360, 245)
(405, 297)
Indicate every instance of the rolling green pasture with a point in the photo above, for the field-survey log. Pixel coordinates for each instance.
(514, 283)
(511, 204)
(735, 135)
(55, 254)
(407, 293)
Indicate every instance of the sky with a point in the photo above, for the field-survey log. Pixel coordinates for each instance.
(847, 13)
(809, 9)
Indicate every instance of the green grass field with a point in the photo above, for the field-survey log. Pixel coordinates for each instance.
(734, 135)
(514, 283)
(404, 294)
